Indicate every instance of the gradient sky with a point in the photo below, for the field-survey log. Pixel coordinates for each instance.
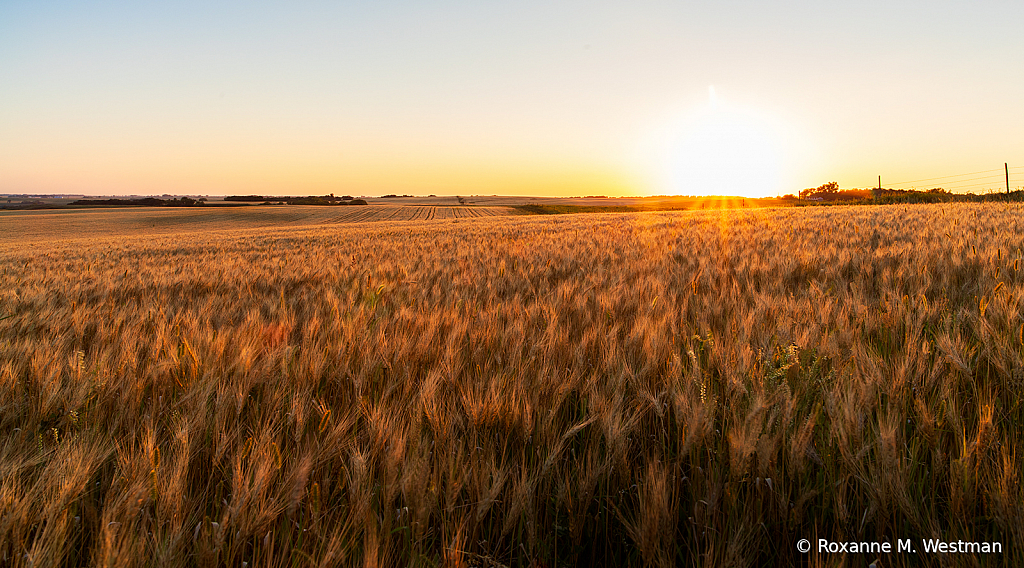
(515, 98)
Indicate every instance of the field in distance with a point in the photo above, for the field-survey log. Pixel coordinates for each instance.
(57, 224)
(218, 215)
(669, 388)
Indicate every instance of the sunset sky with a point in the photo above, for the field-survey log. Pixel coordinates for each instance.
(514, 98)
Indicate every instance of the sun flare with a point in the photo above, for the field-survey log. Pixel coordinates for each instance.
(725, 151)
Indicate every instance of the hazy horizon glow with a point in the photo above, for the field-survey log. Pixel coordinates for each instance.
(536, 98)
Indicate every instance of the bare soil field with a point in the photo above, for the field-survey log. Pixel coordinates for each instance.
(296, 387)
(58, 224)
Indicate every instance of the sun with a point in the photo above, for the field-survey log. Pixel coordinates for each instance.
(725, 151)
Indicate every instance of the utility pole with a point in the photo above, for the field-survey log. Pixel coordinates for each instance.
(1007, 167)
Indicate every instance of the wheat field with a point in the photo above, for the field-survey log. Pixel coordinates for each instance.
(50, 225)
(649, 389)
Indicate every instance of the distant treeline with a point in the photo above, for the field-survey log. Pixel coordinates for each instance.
(939, 195)
(329, 199)
(143, 202)
(546, 209)
(830, 194)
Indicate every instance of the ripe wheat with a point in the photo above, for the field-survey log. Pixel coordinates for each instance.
(627, 389)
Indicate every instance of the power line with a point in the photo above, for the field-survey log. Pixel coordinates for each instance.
(993, 176)
(972, 185)
(954, 183)
(951, 176)
(973, 182)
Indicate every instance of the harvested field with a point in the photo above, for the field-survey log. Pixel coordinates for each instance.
(44, 225)
(676, 388)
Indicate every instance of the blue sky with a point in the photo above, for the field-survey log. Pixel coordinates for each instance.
(548, 98)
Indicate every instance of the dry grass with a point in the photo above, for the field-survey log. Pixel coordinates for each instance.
(642, 389)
